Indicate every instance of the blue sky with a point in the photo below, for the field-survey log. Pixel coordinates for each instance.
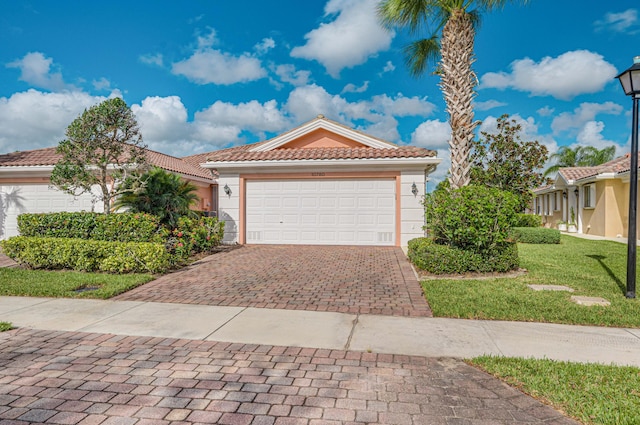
(203, 75)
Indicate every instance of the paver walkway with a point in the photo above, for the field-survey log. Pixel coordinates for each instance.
(347, 279)
(6, 261)
(83, 378)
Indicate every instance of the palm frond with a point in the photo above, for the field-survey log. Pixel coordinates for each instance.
(413, 15)
(420, 53)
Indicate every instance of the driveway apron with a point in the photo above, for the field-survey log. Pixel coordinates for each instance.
(347, 279)
(83, 378)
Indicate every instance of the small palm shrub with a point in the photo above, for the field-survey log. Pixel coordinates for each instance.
(158, 192)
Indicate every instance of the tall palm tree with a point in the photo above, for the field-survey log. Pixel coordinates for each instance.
(159, 193)
(454, 23)
(580, 156)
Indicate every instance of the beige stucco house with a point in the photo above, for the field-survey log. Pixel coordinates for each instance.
(322, 183)
(598, 197)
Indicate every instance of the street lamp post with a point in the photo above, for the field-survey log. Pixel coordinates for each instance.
(630, 80)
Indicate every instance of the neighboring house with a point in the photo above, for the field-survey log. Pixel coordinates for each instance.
(25, 186)
(599, 197)
(321, 183)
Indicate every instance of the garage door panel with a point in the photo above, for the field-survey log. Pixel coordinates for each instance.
(326, 212)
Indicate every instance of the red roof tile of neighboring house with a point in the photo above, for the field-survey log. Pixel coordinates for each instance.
(49, 157)
(242, 153)
(576, 173)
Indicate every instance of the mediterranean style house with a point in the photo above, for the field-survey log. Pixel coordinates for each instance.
(25, 186)
(595, 199)
(321, 183)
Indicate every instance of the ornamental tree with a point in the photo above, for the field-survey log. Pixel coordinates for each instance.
(103, 148)
(503, 161)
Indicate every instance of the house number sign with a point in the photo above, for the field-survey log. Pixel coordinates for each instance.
(317, 174)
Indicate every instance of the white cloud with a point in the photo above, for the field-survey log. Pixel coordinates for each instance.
(352, 88)
(432, 134)
(401, 106)
(212, 66)
(546, 111)
(388, 67)
(150, 59)
(252, 116)
(582, 114)
(623, 22)
(35, 119)
(565, 77)
(35, 69)
(162, 120)
(102, 84)
(489, 104)
(289, 74)
(591, 135)
(349, 40)
(264, 46)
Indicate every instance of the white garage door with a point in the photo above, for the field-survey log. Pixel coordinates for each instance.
(321, 212)
(35, 198)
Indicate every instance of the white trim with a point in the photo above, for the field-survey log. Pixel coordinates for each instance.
(321, 123)
(321, 162)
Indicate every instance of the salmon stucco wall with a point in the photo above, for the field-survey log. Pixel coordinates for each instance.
(205, 195)
(322, 138)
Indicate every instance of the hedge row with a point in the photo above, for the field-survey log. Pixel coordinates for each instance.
(528, 220)
(122, 227)
(539, 235)
(444, 259)
(88, 255)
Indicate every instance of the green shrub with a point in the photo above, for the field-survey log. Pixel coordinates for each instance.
(472, 218)
(87, 255)
(125, 227)
(425, 254)
(194, 236)
(528, 220)
(538, 235)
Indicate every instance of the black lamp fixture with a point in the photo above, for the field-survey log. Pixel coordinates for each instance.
(227, 190)
(414, 189)
(564, 194)
(630, 81)
(576, 192)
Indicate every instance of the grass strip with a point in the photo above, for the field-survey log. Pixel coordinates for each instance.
(67, 284)
(590, 393)
(591, 268)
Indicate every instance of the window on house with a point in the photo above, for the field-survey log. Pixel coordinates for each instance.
(556, 201)
(589, 196)
(538, 208)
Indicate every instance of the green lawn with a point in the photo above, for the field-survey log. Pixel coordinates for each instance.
(42, 283)
(590, 393)
(592, 268)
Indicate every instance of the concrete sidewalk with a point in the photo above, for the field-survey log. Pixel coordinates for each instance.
(428, 337)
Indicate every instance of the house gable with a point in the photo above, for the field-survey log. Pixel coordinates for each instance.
(322, 133)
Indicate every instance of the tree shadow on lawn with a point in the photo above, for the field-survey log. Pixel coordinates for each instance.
(599, 259)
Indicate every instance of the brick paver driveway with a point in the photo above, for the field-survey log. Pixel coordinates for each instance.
(349, 279)
(80, 378)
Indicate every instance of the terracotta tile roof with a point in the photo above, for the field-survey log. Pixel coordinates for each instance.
(577, 173)
(48, 156)
(242, 153)
(618, 165)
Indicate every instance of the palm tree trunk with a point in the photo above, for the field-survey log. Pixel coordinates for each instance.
(458, 82)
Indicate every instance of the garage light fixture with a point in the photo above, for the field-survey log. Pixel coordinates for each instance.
(227, 190)
(414, 189)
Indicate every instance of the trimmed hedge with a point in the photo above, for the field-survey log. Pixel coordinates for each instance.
(528, 220)
(88, 255)
(122, 227)
(539, 235)
(471, 218)
(425, 254)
